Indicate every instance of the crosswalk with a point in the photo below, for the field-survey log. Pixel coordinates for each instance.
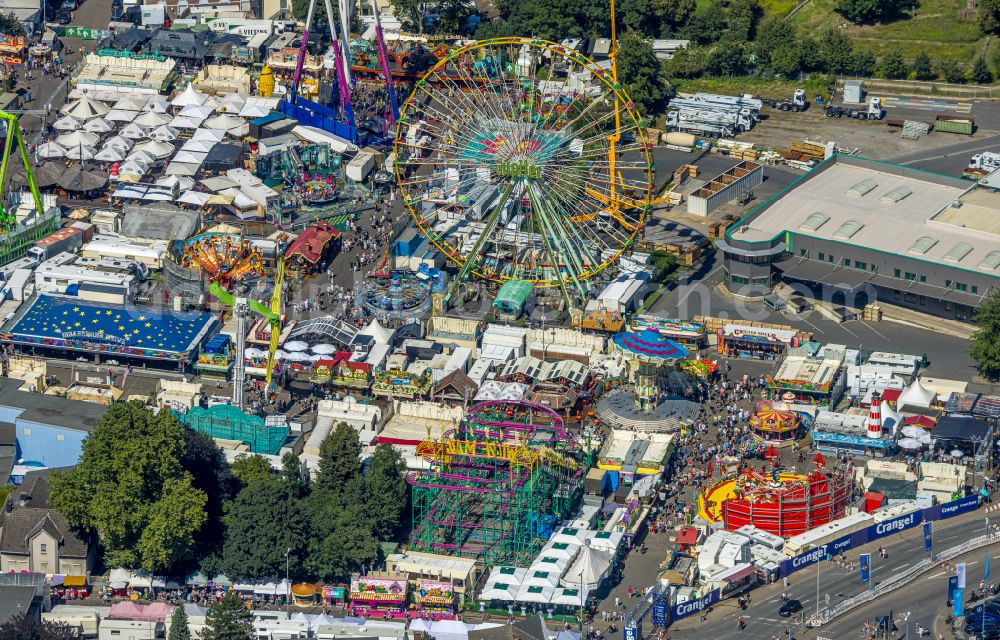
(928, 104)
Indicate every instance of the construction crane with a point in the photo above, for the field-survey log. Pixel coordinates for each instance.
(272, 314)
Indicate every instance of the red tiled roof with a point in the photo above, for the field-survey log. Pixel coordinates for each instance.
(891, 395)
(312, 242)
(921, 421)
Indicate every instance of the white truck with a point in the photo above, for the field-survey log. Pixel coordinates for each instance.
(874, 111)
(796, 104)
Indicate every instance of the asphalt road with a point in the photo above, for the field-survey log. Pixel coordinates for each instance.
(924, 597)
(949, 160)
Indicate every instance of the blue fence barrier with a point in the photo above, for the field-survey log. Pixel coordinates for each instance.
(878, 531)
(691, 607)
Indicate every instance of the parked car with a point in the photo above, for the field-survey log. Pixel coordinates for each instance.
(789, 608)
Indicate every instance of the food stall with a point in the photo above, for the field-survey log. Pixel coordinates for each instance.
(378, 597)
(434, 600)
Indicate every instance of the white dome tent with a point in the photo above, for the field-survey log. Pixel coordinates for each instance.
(890, 419)
(916, 395)
(190, 96)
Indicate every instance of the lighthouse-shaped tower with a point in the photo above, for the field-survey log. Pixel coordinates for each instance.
(875, 417)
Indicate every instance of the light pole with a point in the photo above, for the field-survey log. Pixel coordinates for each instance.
(817, 588)
(906, 619)
(288, 586)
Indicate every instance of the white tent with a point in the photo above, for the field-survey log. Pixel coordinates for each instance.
(232, 102)
(318, 136)
(889, 415)
(589, 568)
(183, 168)
(67, 123)
(189, 157)
(110, 154)
(253, 110)
(118, 142)
(98, 125)
(224, 121)
(915, 395)
(377, 331)
(163, 132)
(156, 103)
(569, 597)
(131, 102)
(183, 184)
(324, 349)
(85, 108)
(449, 630)
(186, 122)
(198, 146)
(197, 111)
(536, 594)
(144, 157)
(120, 115)
(296, 345)
(133, 167)
(118, 578)
(134, 131)
(51, 150)
(152, 119)
(214, 135)
(197, 198)
(77, 138)
(156, 148)
(190, 96)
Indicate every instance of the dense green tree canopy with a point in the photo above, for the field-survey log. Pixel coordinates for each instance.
(385, 490)
(893, 66)
(922, 69)
(179, 629)
(249, 468)
(985, 343)
(132, 488)
(343, 539)
(339, 458)
(263, 523)
(642, 75)
(869, 11)
(228, 619)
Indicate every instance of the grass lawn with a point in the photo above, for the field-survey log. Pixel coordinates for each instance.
(765, 88)
(936, 29)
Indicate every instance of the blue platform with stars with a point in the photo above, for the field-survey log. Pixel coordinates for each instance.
(68, 322)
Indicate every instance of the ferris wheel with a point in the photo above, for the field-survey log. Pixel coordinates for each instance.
(521, 159)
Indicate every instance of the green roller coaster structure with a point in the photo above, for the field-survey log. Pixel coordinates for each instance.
(14, 242)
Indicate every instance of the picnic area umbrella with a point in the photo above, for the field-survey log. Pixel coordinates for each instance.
(77, 138)
(224, 121)
(164, 132)
(134, 167)
(955, 453)
(46, 174)
(909, 443)
(232, 102)
(197, 111)
(131, 103)
(156, 148)
(134, 131)
(67, 123)
(120, 115)
(324, 349)
(156, 103)
(199, 146)
(85, 108)
(118, 142)
(81, 152)
(145, 157)
(51, 150)
(296, 345)
(152, 119)
(77, 179)
(98, 125)
(186, 122)
(110, 154)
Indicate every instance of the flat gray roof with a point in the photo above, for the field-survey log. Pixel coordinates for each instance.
(51, 410)
(898, 207)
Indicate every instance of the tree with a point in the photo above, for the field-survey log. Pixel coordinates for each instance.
(343, 539)
(385, 490)
(263, 523)
(837, 51)
(981, 71)
(810, 54)
(654, 18)
(411, 12)
(989, 16)
(22, 627)
(339, 458)
(689, 62)
(863, 64)
(130, 474)
(892, 66)
(250, 468)
(726, 60)
(984, 347)
(228, 619)
(952, 71)
(707, 24)
(775, 35)
(742, 19)
(869, 11)
(10, 25)
(642, 74)
(294, 476)
(212, 475)
(922, 69)
(179, 629)
(787, 61)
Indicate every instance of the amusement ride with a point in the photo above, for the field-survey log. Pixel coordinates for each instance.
(521, 159)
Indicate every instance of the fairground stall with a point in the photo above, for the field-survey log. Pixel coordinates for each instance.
(690, 334)
(776, 423)
(378, 597)
(434, 600)
(744, 341)
(809, 380)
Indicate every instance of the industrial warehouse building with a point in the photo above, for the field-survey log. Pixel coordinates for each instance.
(852, 231)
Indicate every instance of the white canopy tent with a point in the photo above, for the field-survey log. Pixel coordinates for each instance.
(916, 395)
(67, 123)
(225, 121)
(589, 569)
(164, 132)
(144, 157)
(98, 125)
(198, 146)
(156, 148)
(110, 154)
(134, 131)
(156, 103)
(51, 150)
(197, 111)
(190, 96)
(183, 169)
(77, 138)
(118, 142)
(186, 122)
(190, 157)
(197, 198)
(131, 102)
(152, 119)
(214, 135)
(121, 115)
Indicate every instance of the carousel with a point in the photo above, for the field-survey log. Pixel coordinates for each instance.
(656, 395)
(223, 257)
(776, 423)
(398, 295)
